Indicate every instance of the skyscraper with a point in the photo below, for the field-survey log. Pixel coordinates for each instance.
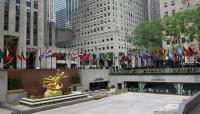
(100, 26)
(63, 12)
(153, 10)
(50, 10)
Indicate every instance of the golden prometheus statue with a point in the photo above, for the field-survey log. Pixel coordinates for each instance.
(53, 84)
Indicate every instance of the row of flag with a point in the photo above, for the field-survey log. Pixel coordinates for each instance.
(153, 53)
(169, 53)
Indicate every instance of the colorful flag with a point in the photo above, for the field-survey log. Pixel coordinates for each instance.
(18, 56)
(48, 54)
(8, 57)
(23, 57)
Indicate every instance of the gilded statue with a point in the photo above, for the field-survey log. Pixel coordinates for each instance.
(53, 84)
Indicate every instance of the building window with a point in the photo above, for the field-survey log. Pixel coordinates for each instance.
(35, 27)
(6, 14)
(28, 27)
(17, 17)
(28, 3)
(36, 4)
(173, 12)
(166, 13)
(165, 4)
(172, 3)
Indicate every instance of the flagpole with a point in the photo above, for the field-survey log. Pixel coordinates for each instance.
(65, 59)
(51, 58)
(40, 58)
(21, 57)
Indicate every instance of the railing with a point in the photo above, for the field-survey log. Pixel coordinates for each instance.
(184, 70)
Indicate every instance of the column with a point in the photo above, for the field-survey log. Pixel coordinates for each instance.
(22, 37)
(141, 86)
(41, 26)
(179, 88)
(12, 15)
(1, 30)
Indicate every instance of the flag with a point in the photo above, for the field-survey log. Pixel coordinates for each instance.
(23, 57)
(43, 54)
(179, 52)
(18, 56)
(48, 54)
(8, 57)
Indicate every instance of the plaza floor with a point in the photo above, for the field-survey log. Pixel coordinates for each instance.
(129, 103)
(3, 111)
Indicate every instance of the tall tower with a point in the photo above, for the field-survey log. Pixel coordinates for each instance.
(63, 12)
(100, 26)
(50, 9)
(153, 10)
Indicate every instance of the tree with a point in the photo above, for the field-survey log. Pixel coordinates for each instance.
(146, 33)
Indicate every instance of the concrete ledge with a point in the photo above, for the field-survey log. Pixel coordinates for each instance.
(15, 97)
(188, 106)
(47, 107)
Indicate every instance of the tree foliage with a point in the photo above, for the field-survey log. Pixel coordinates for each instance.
(145, 33)
(185, 23)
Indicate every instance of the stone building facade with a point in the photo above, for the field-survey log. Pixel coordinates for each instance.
(22, 29)
(100, 26)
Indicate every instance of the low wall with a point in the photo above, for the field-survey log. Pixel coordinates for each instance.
(93, 75)
(3, 86)
(188, 106)
(32, 80)
(15, 97)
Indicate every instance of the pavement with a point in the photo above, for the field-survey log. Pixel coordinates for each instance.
(3, 111)
(196, 110)
(129, 103)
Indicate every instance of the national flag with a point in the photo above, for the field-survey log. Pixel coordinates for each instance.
(171, 53)
(18, 56)
(23, 57)
(48, 54)
(80, 54)
(179, 52)
(9, 56)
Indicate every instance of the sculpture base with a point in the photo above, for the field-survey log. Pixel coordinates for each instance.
(52, 100)
(51, 93)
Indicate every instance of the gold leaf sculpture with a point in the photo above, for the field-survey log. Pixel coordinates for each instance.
(53, 84)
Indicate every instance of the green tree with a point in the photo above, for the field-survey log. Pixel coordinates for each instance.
(146, 33)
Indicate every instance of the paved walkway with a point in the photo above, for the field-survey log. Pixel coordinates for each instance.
(3, 111)
(130, 103)
(196, 110)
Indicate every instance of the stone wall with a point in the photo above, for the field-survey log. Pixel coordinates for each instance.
(3, 86)
(32, 80)
(90, 75)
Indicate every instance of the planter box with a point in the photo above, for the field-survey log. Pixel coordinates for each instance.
(14, 96)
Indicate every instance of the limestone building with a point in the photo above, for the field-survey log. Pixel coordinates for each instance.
(100, 26)
(22, 29)
(153, 10)
(170, 7)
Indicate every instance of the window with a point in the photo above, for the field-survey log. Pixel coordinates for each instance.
(6, 14)
(165, 4)
(183, 40)
(172, 3)
(166, 13)
(173, 12)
